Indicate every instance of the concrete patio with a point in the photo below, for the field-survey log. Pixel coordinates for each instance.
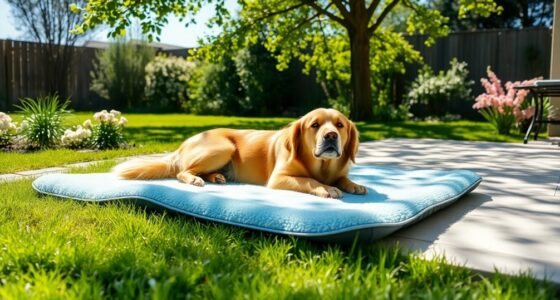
(511, 222)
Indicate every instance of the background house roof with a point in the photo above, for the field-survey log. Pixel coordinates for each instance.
(160, 46)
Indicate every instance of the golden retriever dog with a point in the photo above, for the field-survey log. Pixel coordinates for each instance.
(311, 155)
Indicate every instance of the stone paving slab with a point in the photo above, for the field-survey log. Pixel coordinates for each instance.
(38, 172)
(41, 171)
(9, 177)
(83, 164)
(511, 222)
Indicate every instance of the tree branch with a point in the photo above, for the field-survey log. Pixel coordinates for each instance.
(278, 12)
(303, 23)
(343, 11)
(324, 11)
(372, 7)
(382, 16)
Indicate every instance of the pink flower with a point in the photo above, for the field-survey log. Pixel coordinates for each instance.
(496, 97)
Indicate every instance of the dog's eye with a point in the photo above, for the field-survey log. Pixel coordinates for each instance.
(315, 125)
(339, 125)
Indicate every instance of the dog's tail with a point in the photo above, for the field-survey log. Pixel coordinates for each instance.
(147, 168)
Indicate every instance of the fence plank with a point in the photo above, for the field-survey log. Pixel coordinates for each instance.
(26, 88)
(10, 71)
(3, 77)
(35, 70)
(17, 71)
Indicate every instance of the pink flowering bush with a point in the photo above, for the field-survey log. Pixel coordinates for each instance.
(503, 108)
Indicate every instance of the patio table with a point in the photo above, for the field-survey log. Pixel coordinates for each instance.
(539, 90)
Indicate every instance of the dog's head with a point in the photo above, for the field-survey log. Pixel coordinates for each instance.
(324, 134)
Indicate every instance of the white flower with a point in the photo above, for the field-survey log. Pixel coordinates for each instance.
(87, 123)
(5, 121)
(104, 116)
(123, 121)
(6, 125)
(110, 118)
(116, 113)
(75, 138)
(97, 116)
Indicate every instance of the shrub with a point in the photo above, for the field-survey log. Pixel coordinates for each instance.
(382, 110)
(118, 74)
(265, 88)
(167, 81)
(341, 104)
(387, 112)
(214, 89)
(76, 139)
(503, 108)
(107, 133)
(434, 91)
(244, 83)
(42, 121)
(7, 130)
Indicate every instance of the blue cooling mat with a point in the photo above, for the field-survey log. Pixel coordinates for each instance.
(396, 198)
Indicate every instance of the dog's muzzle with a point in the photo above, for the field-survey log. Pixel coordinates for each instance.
(328, 147)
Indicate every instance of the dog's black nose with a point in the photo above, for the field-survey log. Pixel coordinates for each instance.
(331, 136)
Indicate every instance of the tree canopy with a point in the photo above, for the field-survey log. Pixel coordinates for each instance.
(323, 33)
(515, 14)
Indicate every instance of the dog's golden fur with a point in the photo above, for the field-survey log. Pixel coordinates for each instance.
(311, 155)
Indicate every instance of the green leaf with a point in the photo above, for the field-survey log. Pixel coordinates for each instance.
(74, 8)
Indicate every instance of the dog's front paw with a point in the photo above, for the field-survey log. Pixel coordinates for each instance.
(353, 188)
(357, 189)
(190, 179)
(328, 192)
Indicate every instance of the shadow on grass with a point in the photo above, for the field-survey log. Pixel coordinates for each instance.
(368, 131)
(454, 131)
(171, 134)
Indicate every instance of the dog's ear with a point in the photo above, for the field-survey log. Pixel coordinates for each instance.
(353, 141)
(293, 140)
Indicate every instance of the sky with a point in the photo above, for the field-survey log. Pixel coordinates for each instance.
(173, 33)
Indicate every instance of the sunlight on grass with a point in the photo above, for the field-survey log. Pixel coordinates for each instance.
(56, 248)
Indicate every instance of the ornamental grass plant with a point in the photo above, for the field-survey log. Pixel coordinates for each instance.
(42, 124)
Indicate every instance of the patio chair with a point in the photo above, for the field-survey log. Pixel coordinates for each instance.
(539, 90)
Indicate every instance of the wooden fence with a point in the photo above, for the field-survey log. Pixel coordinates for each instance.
(514, 54)
(23, 74)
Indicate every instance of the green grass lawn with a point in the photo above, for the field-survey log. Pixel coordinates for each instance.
(52, 248)
(153, 133)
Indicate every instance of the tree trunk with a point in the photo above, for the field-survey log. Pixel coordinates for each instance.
(361, 108)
